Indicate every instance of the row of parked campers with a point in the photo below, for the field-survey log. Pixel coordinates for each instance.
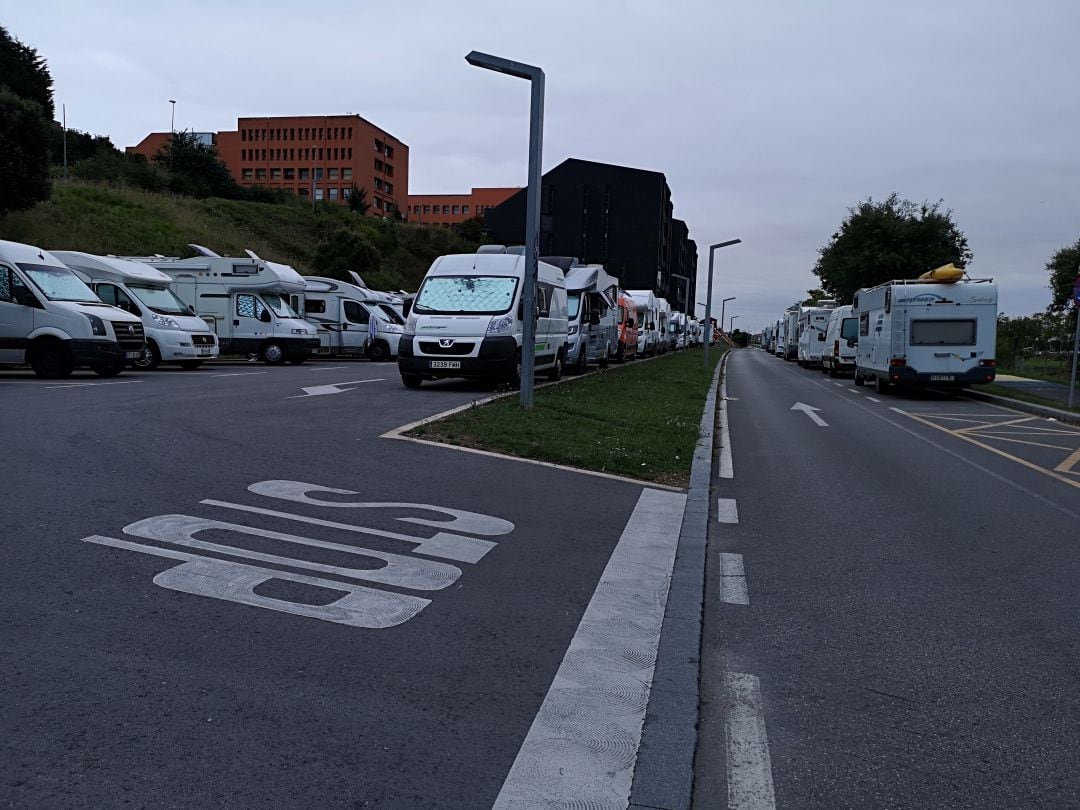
(467, 319)
(63, 309)
(939, 330)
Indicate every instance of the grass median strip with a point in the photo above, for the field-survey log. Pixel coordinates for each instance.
(642, 421)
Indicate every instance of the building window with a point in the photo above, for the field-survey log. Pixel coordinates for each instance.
(346, 174)
(292, 154)
(334, 193)
(260, 174)
(349, 150)
(292, 133)
(318, 193)
(319, 173)
(457, 209)
(389, 152)
(446, 209)
(350, 133)
(337, 153)
(290, 174)
(275, 174)
(246, 174)
(378, 184)
(305, 174)
(346, 193)
(389, 170)
(378, 203)
(379, 146)
(333, 173)
(427, 209)
(378, 165)
(465, 209)
(389, 188)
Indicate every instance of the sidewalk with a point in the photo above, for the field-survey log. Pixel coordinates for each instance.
(1040, 388)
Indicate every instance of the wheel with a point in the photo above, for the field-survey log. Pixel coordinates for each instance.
(513, 374)
(379, 352)
(881, 385)
(108, 369)
(620, 353)
(151, 358)
(411, 380)
(833, 372)
(273, 353)
(51, 360)
(190, 365)
(860, 380)
(582, 364)
(606, 359)
(298, 359)
(555, 372)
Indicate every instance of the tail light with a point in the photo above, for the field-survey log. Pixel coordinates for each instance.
(988, 363)
(836, 348)
(898, 361)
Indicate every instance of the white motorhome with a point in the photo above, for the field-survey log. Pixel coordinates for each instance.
(663, 325)
(677, 328)
(50, 319)
(592, 300)
(648, 313)
(173, 333)
(350, 320)
(693, 331)
(919, 332)
(467, 320)
(812, 324)
(791, 333)
(841, 340)
(245, 301)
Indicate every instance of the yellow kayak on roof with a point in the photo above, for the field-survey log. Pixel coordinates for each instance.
(947, 273)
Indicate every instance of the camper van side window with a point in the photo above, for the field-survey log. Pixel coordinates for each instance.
(864, 324)
(245, 270)
(5, 284)
(313, 306)
(355, 313)
(248, 306)
(888, 301)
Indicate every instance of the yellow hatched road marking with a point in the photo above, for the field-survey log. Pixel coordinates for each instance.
(999, 424)
(1067, 465)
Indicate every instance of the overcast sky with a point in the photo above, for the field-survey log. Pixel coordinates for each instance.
(769, 117)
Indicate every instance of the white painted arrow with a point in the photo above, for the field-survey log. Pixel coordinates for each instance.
(810, 411)
(322, 390)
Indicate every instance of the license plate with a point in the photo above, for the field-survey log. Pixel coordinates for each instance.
(444, 364)
(133, 355)
(942, 378)
(205, 352)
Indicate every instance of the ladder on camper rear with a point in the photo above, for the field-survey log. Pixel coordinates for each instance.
(899, 332)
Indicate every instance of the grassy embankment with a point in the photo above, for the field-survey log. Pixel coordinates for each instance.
(642, 421)
(103, 218)
(1023, 396)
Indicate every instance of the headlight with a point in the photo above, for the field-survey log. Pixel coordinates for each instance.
(97, 326)
(496, 326)
(394, 328)
(302, 332)
(164, 321)
(572, 330)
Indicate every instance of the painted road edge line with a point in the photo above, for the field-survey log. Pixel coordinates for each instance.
(582, 745)
(733, 580)
(749, 766)
(727, 510)
(727, 467)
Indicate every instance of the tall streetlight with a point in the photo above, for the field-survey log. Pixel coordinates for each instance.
(731, 324)
(535, 76)
(172, 118)
(708, 295)
(723, 305)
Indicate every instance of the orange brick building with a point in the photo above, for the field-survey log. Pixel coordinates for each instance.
(448, 209)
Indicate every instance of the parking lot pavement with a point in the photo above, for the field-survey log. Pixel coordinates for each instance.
(222, 590)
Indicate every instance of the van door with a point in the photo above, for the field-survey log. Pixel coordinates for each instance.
(17, 306)
(252, 319)
(355, 322)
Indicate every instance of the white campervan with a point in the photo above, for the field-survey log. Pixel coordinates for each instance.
(173, 333)
(663, 325)
(467, 320)
(791, 333)
(50, 319)
(592, 301)
(647, 318)
(344, 315)
(246, 303)
(813, 322)
(841, 340)
(922, 332)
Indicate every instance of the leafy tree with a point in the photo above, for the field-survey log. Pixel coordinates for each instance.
(1064, 267)
(813, 296)
(471, 230)
(394, 213)
(116, 167)
(80, 146)
(895, 238)
(24, 153)
(346, 250)
(25, 73)
(197, 170)
(358, 201)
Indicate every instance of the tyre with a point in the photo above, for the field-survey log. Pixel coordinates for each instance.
(555, 372)
(108, 369)
(51, 360)
(273, 353)
(833, 372)
(881, 385)
(860, 380)
(582, 364)
(513, 373)
(620, 353)
(379, 352)
(151, 358)
(190, 365)
(411, 380)
(298, 359)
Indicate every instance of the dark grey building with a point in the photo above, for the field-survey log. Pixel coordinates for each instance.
(612, 215)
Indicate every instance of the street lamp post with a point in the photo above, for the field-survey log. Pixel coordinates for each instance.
(708, 295)
(731, 324)
(535, 76)
(172, 117)
(723, 306)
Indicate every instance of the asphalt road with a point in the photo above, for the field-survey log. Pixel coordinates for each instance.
(895, 622)
(160, 667)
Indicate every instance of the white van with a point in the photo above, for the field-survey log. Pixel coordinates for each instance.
(663, 325)
(791, 333)
(916, 332)
(467, 320)
(246, 303)
(647, 318)
(344, 314)
(50, 319)
(841, 339)
(813, 322)
(173, 333)
(592, 316)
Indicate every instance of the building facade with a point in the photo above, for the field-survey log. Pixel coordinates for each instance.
(449, 209)
(617, 216)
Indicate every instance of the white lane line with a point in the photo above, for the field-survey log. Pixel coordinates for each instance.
(581, 748)
(727, 511)
(898, 411)
(328, 368)
(733, 580)
(878, 401)
(749, 766)
(240, 374)
(89, 384)
(837, 383)
(727, 469)
(854, 391)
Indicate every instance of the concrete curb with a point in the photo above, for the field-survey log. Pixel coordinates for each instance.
(664, 773)
(1027, 407)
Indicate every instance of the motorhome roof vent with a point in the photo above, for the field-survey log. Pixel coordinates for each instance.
(491, 249)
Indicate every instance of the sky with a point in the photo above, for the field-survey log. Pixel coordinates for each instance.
(770, 118)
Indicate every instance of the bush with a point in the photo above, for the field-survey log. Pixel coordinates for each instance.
(24, 153)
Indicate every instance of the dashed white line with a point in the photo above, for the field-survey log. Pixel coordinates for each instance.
(727, 510)
(855, 391)
(733, 580)
(328, 368)
(838, 383)
(878, 401)
(89, 384)
(749, 766)
(240, 374)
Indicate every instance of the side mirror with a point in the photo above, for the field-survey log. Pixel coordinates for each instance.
(630, 323)
(191, 309)
(594, 318)
(265, 317)
(852, 344)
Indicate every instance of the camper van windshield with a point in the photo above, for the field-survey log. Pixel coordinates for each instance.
(279, 305)
(466, 295)
(390, 314)
(573, 304)
(161, 300)
(59, 283)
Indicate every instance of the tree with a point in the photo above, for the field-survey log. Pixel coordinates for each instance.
(346, 250)
(1064, 267)
(471, 230)
(879, 241)
(25, 73)
(358, 201)
(24, 153)
(197, 169)
(813, 296)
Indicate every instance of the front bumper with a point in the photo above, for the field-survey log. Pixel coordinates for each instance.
(94, 352)
(494, 359)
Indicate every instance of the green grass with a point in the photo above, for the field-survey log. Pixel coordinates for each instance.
(641, 421)
(1050, 369)
(1023, 396)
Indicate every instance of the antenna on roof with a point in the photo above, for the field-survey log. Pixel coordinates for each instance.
(252, 254)
(203, 251)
